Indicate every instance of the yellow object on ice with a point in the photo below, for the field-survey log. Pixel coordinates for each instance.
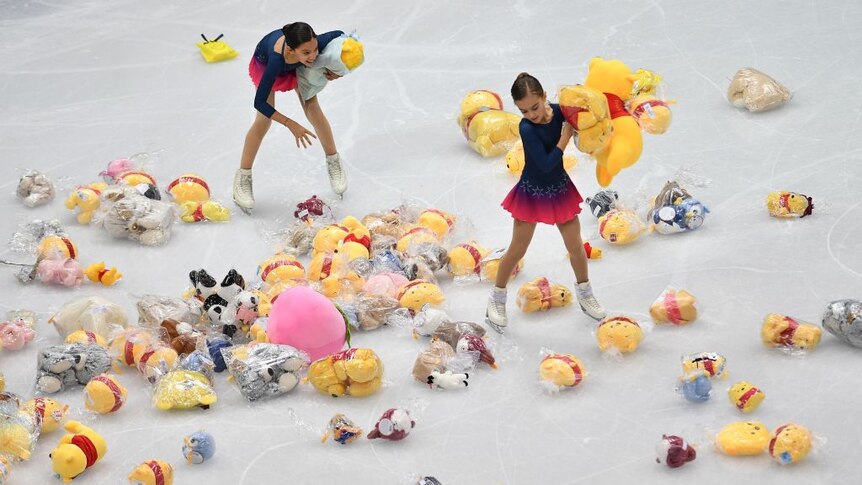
(216, 50)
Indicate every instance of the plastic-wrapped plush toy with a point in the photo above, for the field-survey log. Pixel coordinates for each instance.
(296, 239)
(515, 160)
(188, 385)
(57, 245)
(219, 299)
(415, 236)
(559, 371)
(417, 293)
(369, 312)
(743, 438)
(47, 413)
(466, 338)
(386, 284)
(653, 115)
(5, 468)
(2, 379)
(602, 202)
(86, 198)
(35, 188)
(620, 226)
(104, 394)
(77, 451)
(789, 205)
(18, 431)
(392, 224)
(280, 267)
(97, 273)
(541, 295)
(312, 208)
(133, 216)
(154, 309)
(208, 210)
(696, 386)
(756, 91)
(350, 231)
(333, 272)
(427, 320)
(60, 271)
(710, 362)
(133, 178)
(342, 430)
(152, 472)
(490, 265)
(394, 425)
(465, 259)
(92, 314)
(64, 365)
(438, 221)
(181, 336)
(843, 319)
(189, 187)
(489, 130)
(781, 330)
(341, 56)
(678, 307)
(85, 337)
(355, 372)
(265, 370)
(745, 396)
(432, 367)
(675, 210)
(115, 168)
(586, 109)
(198, 447)
(790, 443)
(674, 451)
(216, 50)
(619, 333)
(15, 334)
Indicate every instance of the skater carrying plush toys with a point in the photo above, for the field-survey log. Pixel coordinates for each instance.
(545, 194)
(282, 60)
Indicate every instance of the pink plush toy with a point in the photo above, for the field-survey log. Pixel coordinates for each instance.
(306, 320)
(16, 334)
(386, 284)
(66, 272)
(116, 167)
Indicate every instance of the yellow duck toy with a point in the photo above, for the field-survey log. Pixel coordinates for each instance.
(466, 259)
(355, 372)
(541, 295)
(414, 236)
(438, 221)
(280, 267)
(104, 394)
(416, 293)
(48, 413)
(189, 187)
(790, 443)
(562, 370)
(152, 472)
(208, 210)
(678, 307)
(743, 438)
(76, 452)
(781, 330)
(788, 205)
(216, 50)
(745, 396)
(489, 130)
(515, 160)
(620, 226)
(620, 333)
(86, 198)
(98, 274)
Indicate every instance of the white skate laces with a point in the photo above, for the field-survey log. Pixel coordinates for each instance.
(588, 302)
(242, 190)
(337, 174)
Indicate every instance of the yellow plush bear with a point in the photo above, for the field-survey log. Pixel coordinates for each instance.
(209, 210)
(562, 370)
(586, 109)
(652, 114)
(189, 187)
(616, 81)
(620, 333)
(184, 389)
(104, 394)
(416, 235)
(97, 273)
(152, 472)
(438, 221)
(85, 337)
(489, 130)
(77, 452)
(280, 267)
(86, 199)
(781, 330)
(334, 274)
(515, 160)
(417, 293)
(491, 265)
(351, 229)
(787, 205)
(57, 246)
(48, 413)
(355, 372)
(466, 258)
(541, 295)
(619, 226)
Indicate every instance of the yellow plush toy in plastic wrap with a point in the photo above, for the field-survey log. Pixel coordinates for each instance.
(280, 267)
(790, 443)
(489, 130)
(542, 295)
(620, 226)
(47, 413)
(561, 370)
(789, 205)
(417, 293)
(216, 50)
(189, 188)
(438, 221)
(743, 438)
(787, 332)
(466, 258)
(619, 333)
(86, 199)
(355, 372)
(586, 109)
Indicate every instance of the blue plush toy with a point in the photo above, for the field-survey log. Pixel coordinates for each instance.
(696, 387)
(215, 345)
(198, 447)
(675, 210)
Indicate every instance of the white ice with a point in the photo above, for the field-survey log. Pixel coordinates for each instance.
(87, 81)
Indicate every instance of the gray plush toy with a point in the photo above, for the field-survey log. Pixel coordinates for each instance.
(843, 319)
(264, 370)
(69, 365)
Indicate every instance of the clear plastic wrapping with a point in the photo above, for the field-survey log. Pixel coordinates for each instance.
(65, 365)
(203, 211)
(93, 314)
(35, 188)
(674, 306)
(756, 91)
(154, 309)
(542, 295)
(789, 205)
(188, 385)
(264, 370)
(789, 333)
(128, 214)
(843, 319)
(675, 210)
(356, 372)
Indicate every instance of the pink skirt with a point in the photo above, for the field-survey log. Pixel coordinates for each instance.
(283, 82)
(549, 205)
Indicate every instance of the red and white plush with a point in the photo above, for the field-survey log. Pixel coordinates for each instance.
(394, 425)
(674, 452)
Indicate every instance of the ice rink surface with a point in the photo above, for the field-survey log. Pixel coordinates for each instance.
(84, 82)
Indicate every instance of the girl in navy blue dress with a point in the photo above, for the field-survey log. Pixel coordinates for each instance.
(273, 68)
(545, 194)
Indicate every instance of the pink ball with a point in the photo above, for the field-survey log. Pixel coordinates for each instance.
(306, 320)
(386, 284)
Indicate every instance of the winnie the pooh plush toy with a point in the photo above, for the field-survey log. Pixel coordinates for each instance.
(350, 230)
(619, 333)
(356, 372)
(586, 109)
(788, 205)
(415, 236)
(783, 331)
(678, 307)
(490, 265)
(78, 451)
(333, 272)
(542, 295)
(86, 198)
(152, 472)
(466, 258)
(438, 221)
(489, 130)
(620, 226)
(417, 293)
(562, 370)
(189, 187)
(280, 267)
(208, 210)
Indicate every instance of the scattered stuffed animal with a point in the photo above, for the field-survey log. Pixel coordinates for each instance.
(154, 360)
(386, 284)
(790, 443)
(280, 267)
(133, 178)
(711, 362)
(85, 337)
(438, 221)
(76, 452)
(341, 56)
(35, 188)
(333, 272)
(154, 309)
(674, 451)
(789, 205)
(515, 160)
(678, 307)
(465, 259)
(394, 425)
(489, 130)
(350, 230)
(152, 472)
(133, 216)
(184, 389)
(215, 345)
(562, 370)
(128, 345)
(181, 336)
(216, 50)
(490, 265)
(297, 239)
(115, 168)
(652, 114)
(342, 430)
(219, 299)
(432, 359)
(696, 386)
(467, 338)
(471, 343)
(65, 365)
(56, 245)
(603, 202)
(15, 334)
(98, 274)
(619, 333)
(374, 311)
(447, 380)
(47, 413)
(104, 394)
(586, 109)
(541, 295)
(427, 320)
(189, 188)
(86, 198)
(5, 468)
(18, 432)
(781, 330)
(745, 396)
(60, 271)
(675, 210)
(2, 378)
(208, 210)
(355, 372)
(198, 447)
(91, 314)
(843, 319)
(415, 236)
(756, 91)
(620, 226)
(265, 370)
(311, 207)
(418, 293)
(743, 438)
(592, 252)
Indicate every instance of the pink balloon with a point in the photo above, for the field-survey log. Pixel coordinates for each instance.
(306, 320)
(386, 284)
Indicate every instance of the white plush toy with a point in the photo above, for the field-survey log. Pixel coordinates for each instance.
(341, 56)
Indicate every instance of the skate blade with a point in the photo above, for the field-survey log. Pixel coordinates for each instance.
(494, 326)
(598, 319)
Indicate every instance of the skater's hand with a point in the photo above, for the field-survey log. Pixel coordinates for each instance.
(331, 76)
(301, 133)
